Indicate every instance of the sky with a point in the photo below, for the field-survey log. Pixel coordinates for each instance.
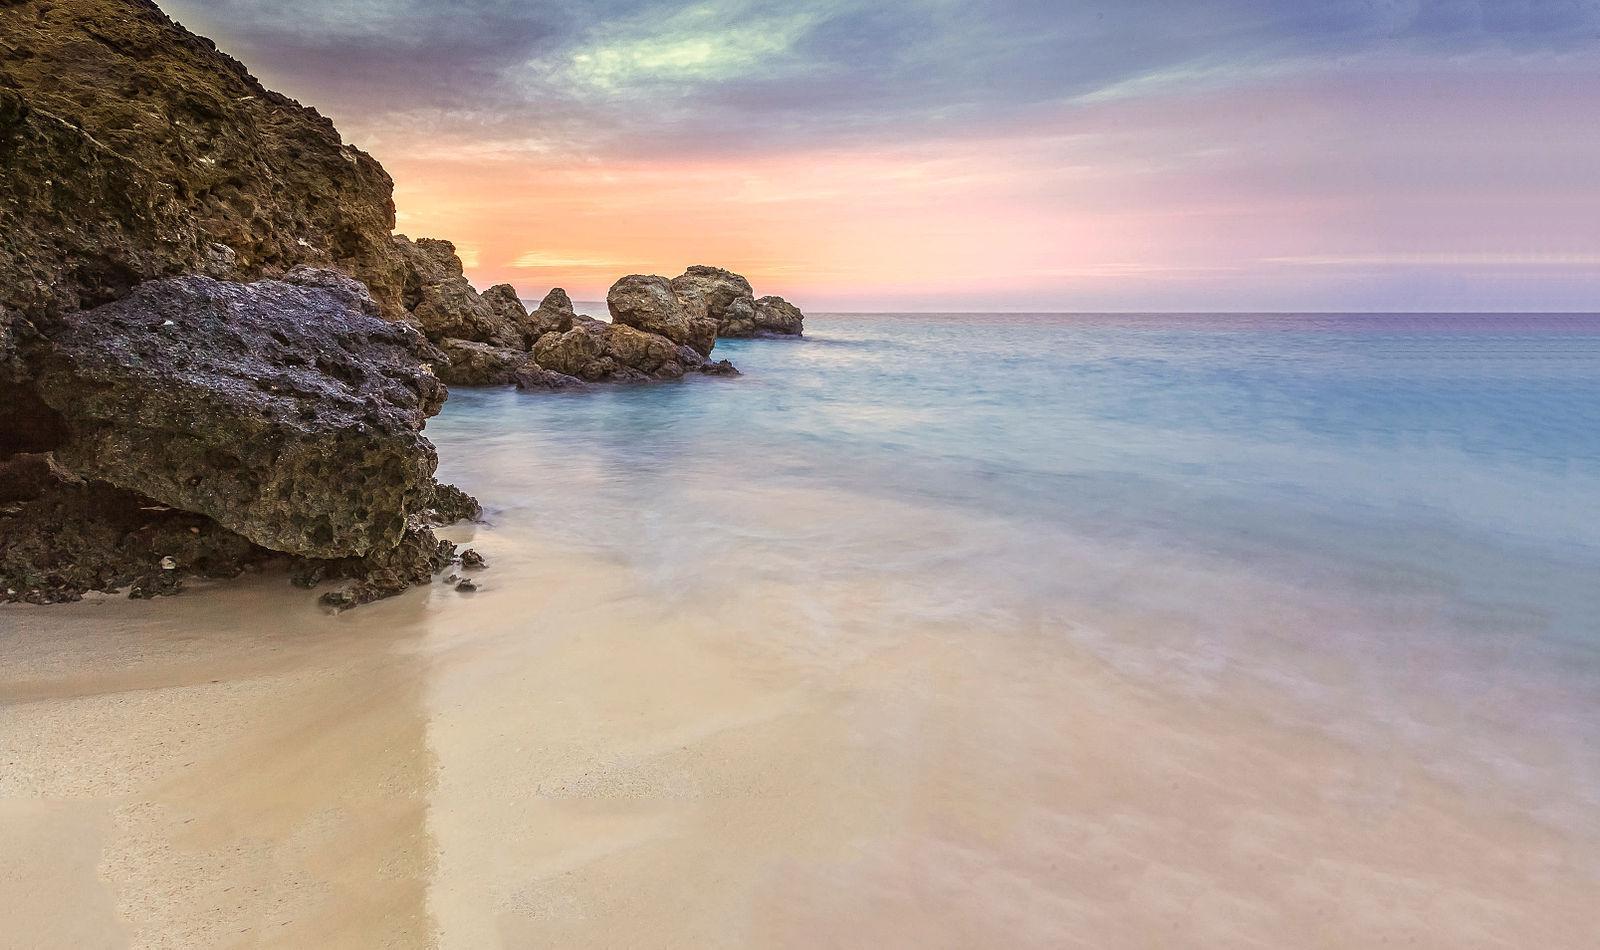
(1255, 155)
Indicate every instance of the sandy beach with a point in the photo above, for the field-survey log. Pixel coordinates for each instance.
(572, 757)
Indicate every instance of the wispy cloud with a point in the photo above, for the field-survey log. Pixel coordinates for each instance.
(1442, 259)
(1259, 151)
(545, 260)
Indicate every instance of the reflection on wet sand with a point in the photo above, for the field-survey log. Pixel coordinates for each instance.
(250, 770)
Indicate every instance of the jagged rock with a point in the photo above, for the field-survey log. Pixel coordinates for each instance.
(480, 364)
(718, 368)
(276, 409)
(449, 505)
(533, 377)
(603, 352)
(133, 149)
(230, 418)
(555, 315)
(778, 316)
(648, 303)
(504, 301)
(719, 294)
(443, 303)
(413, 562)
(472, 560)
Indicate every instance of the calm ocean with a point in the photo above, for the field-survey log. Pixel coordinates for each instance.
(1392, 522)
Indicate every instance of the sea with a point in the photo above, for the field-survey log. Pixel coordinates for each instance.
(1390, 521)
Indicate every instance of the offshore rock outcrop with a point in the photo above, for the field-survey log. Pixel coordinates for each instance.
(719, 294)
(728, 299)
(653, 337)
(779, 317)
(600, 352)
(648, 304)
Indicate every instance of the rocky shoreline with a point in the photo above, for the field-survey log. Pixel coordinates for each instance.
(214, 351)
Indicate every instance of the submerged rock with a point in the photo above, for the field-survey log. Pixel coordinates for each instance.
(648, 303)
(279, 410)
(778, 316)
(718, 368)
(720, 295)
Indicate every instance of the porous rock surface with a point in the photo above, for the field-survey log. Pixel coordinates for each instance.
(648, 303)
(719, 294)
(162, 427)
(777, 316)
(133, 149)
(279, 410)
(441, 301)
(480, 364)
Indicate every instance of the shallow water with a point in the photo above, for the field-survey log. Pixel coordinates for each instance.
(1364, 510)
(927, 631)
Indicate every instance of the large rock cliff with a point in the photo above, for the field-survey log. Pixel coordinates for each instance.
(169, 410)
(134, 149)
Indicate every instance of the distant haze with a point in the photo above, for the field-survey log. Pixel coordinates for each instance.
(969, 155)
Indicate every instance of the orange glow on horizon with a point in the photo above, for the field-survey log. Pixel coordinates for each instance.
(1111, 202)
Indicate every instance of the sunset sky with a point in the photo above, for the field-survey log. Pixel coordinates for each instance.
(958, 155)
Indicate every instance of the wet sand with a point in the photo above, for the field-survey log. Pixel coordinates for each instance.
(577, 756)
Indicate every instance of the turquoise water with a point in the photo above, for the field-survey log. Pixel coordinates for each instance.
(1391, 520)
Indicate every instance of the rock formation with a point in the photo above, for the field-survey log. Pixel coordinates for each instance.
(213, 349)
(648, 304)
(503, 299)
(720, 295)
(555, 315)
(278, 410)
(601, 352)
(778, 316)
(441, 301)
(726, 297)
(480, 364)
(133, 149)
(159, 424)
(535, 378)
